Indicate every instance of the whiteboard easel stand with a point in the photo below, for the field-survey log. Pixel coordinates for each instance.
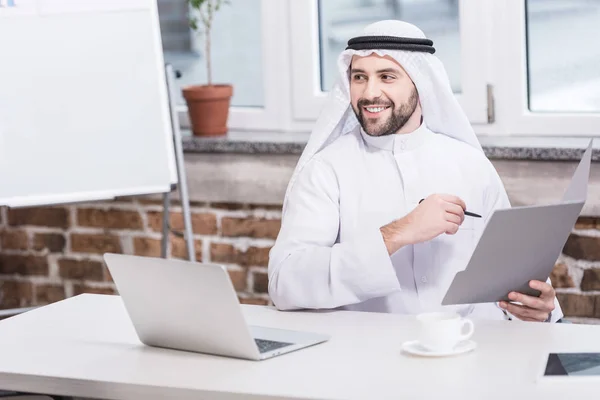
(183, 189)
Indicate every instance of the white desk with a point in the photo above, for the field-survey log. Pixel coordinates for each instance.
(86, 346)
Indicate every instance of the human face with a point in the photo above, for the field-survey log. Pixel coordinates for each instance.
(383, 96)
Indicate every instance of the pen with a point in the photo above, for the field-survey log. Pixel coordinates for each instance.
(470, 214)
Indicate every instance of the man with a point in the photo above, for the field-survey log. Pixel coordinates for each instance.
(374, 215)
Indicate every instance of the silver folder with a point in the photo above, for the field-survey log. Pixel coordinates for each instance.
(520, 244)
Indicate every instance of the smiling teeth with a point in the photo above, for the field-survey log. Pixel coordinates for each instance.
(374, 110)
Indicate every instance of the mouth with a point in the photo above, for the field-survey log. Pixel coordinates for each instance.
(374, 111)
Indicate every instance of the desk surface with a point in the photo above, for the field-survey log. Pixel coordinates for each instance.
(86, 346)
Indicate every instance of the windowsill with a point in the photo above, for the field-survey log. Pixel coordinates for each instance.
(495, 147)
(246, 142)
(543, 148)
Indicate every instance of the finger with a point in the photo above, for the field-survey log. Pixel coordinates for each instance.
(520, 314)
(529, 301)
(455, 219)
(546, 290)
(454, 200)
(451, 228)
(523, 312)
(455, 209)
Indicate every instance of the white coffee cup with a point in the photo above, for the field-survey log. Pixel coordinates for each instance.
(442, 331)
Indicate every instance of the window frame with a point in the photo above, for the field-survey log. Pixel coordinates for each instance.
(273, 115)
(308, 99)
(512, 83)
(493, 74)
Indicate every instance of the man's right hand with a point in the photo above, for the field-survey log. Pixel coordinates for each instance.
(437, 214)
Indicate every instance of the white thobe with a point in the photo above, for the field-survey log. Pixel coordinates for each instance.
(330, 253)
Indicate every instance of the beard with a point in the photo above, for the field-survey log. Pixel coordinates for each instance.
(398, 118)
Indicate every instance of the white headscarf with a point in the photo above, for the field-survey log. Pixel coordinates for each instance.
(441, 111)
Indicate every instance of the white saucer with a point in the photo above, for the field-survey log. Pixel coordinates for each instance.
(416, 348)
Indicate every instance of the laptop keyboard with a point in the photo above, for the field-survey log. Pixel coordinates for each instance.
(268, 345)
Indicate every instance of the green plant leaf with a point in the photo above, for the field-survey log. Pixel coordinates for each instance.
(197, 3)
(194, 24)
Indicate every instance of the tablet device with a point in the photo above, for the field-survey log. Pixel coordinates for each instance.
(572, 364)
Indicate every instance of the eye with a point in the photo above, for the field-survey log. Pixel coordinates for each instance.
(387, 77)
(359, 78)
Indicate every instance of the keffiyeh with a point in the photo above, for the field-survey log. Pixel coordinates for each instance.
(441, 111)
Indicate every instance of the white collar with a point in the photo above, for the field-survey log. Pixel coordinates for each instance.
(399, 142)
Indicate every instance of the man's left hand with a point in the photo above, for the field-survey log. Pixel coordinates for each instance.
(532, 308)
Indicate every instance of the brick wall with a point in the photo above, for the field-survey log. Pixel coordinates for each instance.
(50, 253)
(577, 272)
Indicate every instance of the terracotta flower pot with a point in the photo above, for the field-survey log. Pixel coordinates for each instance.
(208, 108)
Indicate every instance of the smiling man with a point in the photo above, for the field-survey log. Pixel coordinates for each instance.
(374, 215)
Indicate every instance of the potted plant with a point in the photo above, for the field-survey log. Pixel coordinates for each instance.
(208, 105)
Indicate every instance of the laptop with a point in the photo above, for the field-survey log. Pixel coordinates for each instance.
(193, 307)
(520, 244)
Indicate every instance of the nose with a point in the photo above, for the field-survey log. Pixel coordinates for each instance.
(372, 91)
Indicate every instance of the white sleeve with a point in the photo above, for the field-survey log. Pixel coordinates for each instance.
(496, 197)
(308, 268)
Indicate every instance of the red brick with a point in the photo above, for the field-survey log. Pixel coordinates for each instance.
(202, 223)
(560, 277)
(150, 201)
(155, 220)
(109, 219)
(261, 282)
(257, 256)
(179, 248)
(583, 247)
(239, 278)
(590, 280)
(586, 223)
(14, 240)
(15, 294)
(254, 301)
(42, 216)
(54, 242)
(98, 244)
(147, 247)
(250, 227)
(577, 305)
(79, 289)
(229, 206)
(81, 269)
(23, 264)
(245, 206)
(226, 253)
(268, 207)
(48, 293)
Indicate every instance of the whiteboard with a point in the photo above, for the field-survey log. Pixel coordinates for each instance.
(84, 105)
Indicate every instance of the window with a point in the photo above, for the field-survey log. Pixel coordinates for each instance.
(517, 67)
(546, 75)
(321, 28)
(563, 63)
(243, 36)
(340, 19)
(236, 48)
